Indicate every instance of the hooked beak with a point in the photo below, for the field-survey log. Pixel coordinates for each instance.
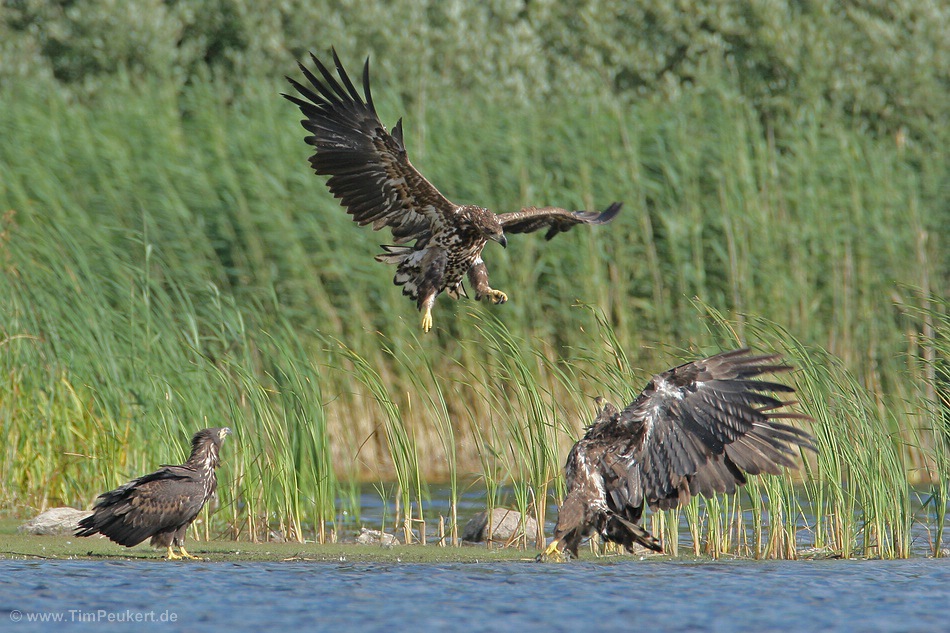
(503, 241)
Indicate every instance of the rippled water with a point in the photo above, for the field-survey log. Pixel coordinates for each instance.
(907, 595)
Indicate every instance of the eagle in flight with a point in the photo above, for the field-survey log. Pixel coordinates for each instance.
(369, 171)
(699, 428)
(160, 505)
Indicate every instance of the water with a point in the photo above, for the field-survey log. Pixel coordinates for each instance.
(377, 512)
(629, 595)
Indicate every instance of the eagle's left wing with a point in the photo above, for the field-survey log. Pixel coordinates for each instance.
(698, 428)
(368, 167)
(554, 219)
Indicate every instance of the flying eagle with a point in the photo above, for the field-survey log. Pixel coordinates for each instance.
(696, 429)
(163, 504)
(371, 174)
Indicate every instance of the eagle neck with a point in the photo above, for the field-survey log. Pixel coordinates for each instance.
(204, 458)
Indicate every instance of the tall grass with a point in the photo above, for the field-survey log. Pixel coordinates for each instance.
(168, 262)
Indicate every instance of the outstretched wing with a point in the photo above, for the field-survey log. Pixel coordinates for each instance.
(697, 428)
(554, 219)
(368, 167)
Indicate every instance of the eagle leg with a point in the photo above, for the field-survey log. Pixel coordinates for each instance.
(478, 276)
(427, 319)
(425, 305)
(171, 555)
(185, 554)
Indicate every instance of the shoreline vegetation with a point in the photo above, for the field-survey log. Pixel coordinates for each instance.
(168, 261)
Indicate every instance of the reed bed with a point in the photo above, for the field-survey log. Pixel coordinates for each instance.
(168, 262)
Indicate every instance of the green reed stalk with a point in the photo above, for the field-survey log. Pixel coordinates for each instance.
(399, 440)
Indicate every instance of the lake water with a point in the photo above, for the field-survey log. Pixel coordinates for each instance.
(627, 595)
(375, 512)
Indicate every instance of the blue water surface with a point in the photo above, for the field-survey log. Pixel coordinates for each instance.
(627, 595)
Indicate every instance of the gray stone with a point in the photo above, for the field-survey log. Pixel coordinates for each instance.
(375, 537)
(54, 521)
(506, 527)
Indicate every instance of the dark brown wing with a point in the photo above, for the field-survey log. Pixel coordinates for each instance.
(368, 167)
(554, 219)
(697, 428)
(168, 498)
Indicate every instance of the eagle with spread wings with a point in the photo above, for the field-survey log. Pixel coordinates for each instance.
(160, 505)
(699, 428)
(369, 171)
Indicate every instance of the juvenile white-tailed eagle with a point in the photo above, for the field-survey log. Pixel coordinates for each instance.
(163, 504)
(696, 429)
(371, 175)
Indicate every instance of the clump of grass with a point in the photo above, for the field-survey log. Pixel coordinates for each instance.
(399, 439)
(930, 356)
(529, 411)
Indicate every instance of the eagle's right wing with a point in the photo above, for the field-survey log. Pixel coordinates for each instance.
(368, 167)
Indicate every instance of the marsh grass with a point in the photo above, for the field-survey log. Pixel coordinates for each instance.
(932, 374)
(168, 262)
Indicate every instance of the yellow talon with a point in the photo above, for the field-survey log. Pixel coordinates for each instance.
(427, 320)
(552, 554)
(497, 296)
(171, 555)
(185, 554)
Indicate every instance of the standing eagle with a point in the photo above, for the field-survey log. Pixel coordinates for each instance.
(371, 175)
(696, 429)
(163, 504)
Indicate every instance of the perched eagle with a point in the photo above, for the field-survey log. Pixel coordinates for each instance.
(371, 175)
(163, 504)
(696, 429)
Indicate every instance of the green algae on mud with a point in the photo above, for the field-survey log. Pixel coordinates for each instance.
(22, 546)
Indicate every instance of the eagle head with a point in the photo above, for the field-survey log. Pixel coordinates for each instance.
(206, 443)
(486, 224)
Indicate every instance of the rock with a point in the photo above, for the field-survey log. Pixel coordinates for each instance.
(55, 521)
(818, 553)
(375, 537)
(506, 526)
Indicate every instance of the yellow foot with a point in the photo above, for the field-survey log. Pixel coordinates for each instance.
(427, 320)
(171, 555)
(496, 296)
(552, 554)
(185, 554)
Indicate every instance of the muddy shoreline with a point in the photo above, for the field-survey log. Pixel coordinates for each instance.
(20, 547)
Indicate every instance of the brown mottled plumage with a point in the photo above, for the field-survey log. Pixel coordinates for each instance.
(696, 429)
(369, 171)
(163, 504)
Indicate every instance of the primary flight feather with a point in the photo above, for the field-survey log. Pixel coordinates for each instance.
(437, 243)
